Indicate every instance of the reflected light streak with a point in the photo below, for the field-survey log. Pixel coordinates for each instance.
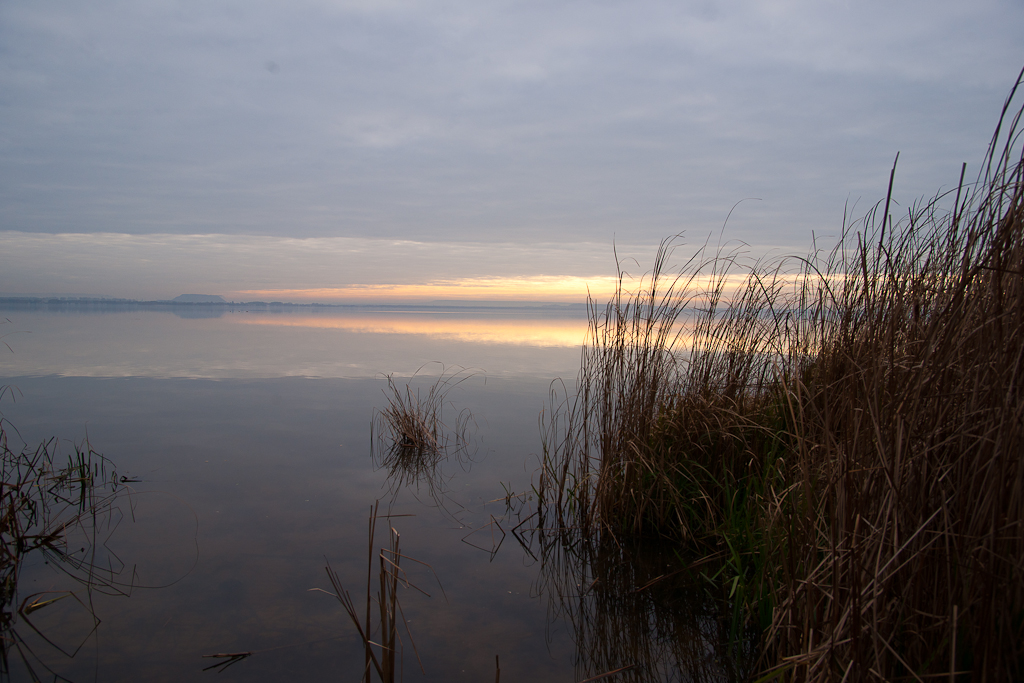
(531, 332)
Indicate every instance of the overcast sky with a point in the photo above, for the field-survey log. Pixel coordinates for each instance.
(378, 142)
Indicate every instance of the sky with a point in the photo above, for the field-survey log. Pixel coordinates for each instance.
(361, 150)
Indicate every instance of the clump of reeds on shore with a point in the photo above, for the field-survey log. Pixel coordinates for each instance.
(847, 429)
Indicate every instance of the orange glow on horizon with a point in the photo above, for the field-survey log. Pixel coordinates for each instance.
(542, 288)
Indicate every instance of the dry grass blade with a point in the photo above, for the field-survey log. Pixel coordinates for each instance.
(227, 659)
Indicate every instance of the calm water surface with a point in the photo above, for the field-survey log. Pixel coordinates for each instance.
(249, 436)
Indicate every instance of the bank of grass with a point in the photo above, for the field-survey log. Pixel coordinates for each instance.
(844, 430)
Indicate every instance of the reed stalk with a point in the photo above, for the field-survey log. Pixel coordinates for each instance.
(383, 657)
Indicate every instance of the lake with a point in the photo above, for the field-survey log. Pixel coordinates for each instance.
(243, 436)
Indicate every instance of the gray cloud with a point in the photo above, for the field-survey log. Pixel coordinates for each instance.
(505, 121)
(161, 266)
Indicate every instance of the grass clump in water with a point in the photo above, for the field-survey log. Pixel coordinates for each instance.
(412, 419)
(846, 429)
(409, 436)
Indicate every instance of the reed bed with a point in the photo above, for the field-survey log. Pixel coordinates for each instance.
(844, 428)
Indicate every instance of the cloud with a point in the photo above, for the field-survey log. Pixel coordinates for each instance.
(493, 122)
(248, 268)
(333, 269)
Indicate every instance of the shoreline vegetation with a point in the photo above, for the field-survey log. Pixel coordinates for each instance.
(836, 445)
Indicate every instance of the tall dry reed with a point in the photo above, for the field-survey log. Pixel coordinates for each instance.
(386, 660)
(846, 427)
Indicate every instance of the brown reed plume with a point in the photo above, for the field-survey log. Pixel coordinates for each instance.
(848, 426)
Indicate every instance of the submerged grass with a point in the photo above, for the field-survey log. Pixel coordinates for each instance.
(53, 508)
(844, 429)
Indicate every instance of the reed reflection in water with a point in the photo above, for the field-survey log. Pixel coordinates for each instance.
(637, 609)
(410, 437)
(59, 554)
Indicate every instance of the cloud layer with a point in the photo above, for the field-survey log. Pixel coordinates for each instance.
(248, 268)
(487, 122)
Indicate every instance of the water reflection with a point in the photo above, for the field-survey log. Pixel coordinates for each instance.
(60, 515)
(409, 465)
(489, 329)
(198, 312)
(279, 472)
(221, 343)
(76, 534)
(637, 609)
